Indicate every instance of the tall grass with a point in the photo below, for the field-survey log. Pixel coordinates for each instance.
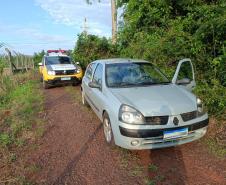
(21, 101)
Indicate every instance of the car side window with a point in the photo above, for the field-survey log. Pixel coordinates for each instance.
(185, 71)
(89, 70)
(97, 77)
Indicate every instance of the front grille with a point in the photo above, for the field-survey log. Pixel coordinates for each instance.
(65, 72)
(189, 116)
(150, 133)
(157, 120)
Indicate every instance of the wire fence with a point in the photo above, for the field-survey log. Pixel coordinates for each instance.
(12, 62)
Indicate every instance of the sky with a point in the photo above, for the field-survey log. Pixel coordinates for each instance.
(28, 26)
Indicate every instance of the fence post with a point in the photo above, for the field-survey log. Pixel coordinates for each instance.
(33, 63)
(26, 64)
(17, 61)
(10, 60)
(22, 62)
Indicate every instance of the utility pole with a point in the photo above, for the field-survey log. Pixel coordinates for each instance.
(114, 21)
(85, 27)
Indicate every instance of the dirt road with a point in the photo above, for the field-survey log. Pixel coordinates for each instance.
(73, 151)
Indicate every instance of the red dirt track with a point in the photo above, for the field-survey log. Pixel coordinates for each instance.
(73, 151)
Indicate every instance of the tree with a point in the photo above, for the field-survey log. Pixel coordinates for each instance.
(37, 57)
(92, 47)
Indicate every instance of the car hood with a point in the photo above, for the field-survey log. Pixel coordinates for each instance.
(157, 100)
(57, 67)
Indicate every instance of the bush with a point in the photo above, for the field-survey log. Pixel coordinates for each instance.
(90, 47)
(214, 97)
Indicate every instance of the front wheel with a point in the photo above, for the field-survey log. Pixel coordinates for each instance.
(75, 83)
(44, 84)
(108, 134)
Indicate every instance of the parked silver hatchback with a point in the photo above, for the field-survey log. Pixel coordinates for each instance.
(140, 107)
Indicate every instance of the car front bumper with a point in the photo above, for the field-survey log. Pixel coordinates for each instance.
(138, 139)
(58, 80)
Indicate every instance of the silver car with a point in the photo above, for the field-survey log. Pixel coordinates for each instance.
(140, 107)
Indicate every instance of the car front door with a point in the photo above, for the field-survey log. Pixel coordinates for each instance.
(184, 75)
(96, 92)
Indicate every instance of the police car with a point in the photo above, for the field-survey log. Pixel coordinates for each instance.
(57, 68)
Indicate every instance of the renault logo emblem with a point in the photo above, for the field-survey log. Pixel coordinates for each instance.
(175, 121)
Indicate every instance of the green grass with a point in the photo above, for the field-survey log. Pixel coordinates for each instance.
(215, 148)
(21, 103)
(136, 171)
(152, 167)
(149, 182)
(156, 180)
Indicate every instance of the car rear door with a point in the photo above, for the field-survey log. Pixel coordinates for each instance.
(96, 94)
(184, 75)
(88, 78)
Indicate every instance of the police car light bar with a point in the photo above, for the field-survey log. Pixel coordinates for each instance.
(56, 51)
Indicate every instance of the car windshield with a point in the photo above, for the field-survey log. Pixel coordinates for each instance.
(57, 60)
(133, 74)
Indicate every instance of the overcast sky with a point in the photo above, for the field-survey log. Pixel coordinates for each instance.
(29, 26)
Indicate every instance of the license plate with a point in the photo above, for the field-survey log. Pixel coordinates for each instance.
(66, 78)
(173, 134)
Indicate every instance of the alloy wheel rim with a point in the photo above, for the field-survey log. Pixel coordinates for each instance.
(107, 130)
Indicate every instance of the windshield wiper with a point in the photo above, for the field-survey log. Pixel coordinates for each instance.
(123, 84)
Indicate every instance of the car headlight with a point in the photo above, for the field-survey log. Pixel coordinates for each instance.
(51, 73)
(130, 115)
(200, 107)
(78, 70)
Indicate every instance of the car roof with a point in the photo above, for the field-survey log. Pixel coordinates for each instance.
(120, 60)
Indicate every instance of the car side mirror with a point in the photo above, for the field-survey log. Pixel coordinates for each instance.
(184, 81)
(94, 85)
(40, 64)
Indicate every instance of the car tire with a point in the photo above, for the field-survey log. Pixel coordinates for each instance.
(75, 83)
(108, 134)
(45, 85)
(84, 102)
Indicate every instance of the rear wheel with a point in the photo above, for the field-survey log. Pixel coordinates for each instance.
(108, 134)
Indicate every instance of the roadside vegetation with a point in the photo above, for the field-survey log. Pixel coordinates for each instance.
(163, 32)
(21, 103)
